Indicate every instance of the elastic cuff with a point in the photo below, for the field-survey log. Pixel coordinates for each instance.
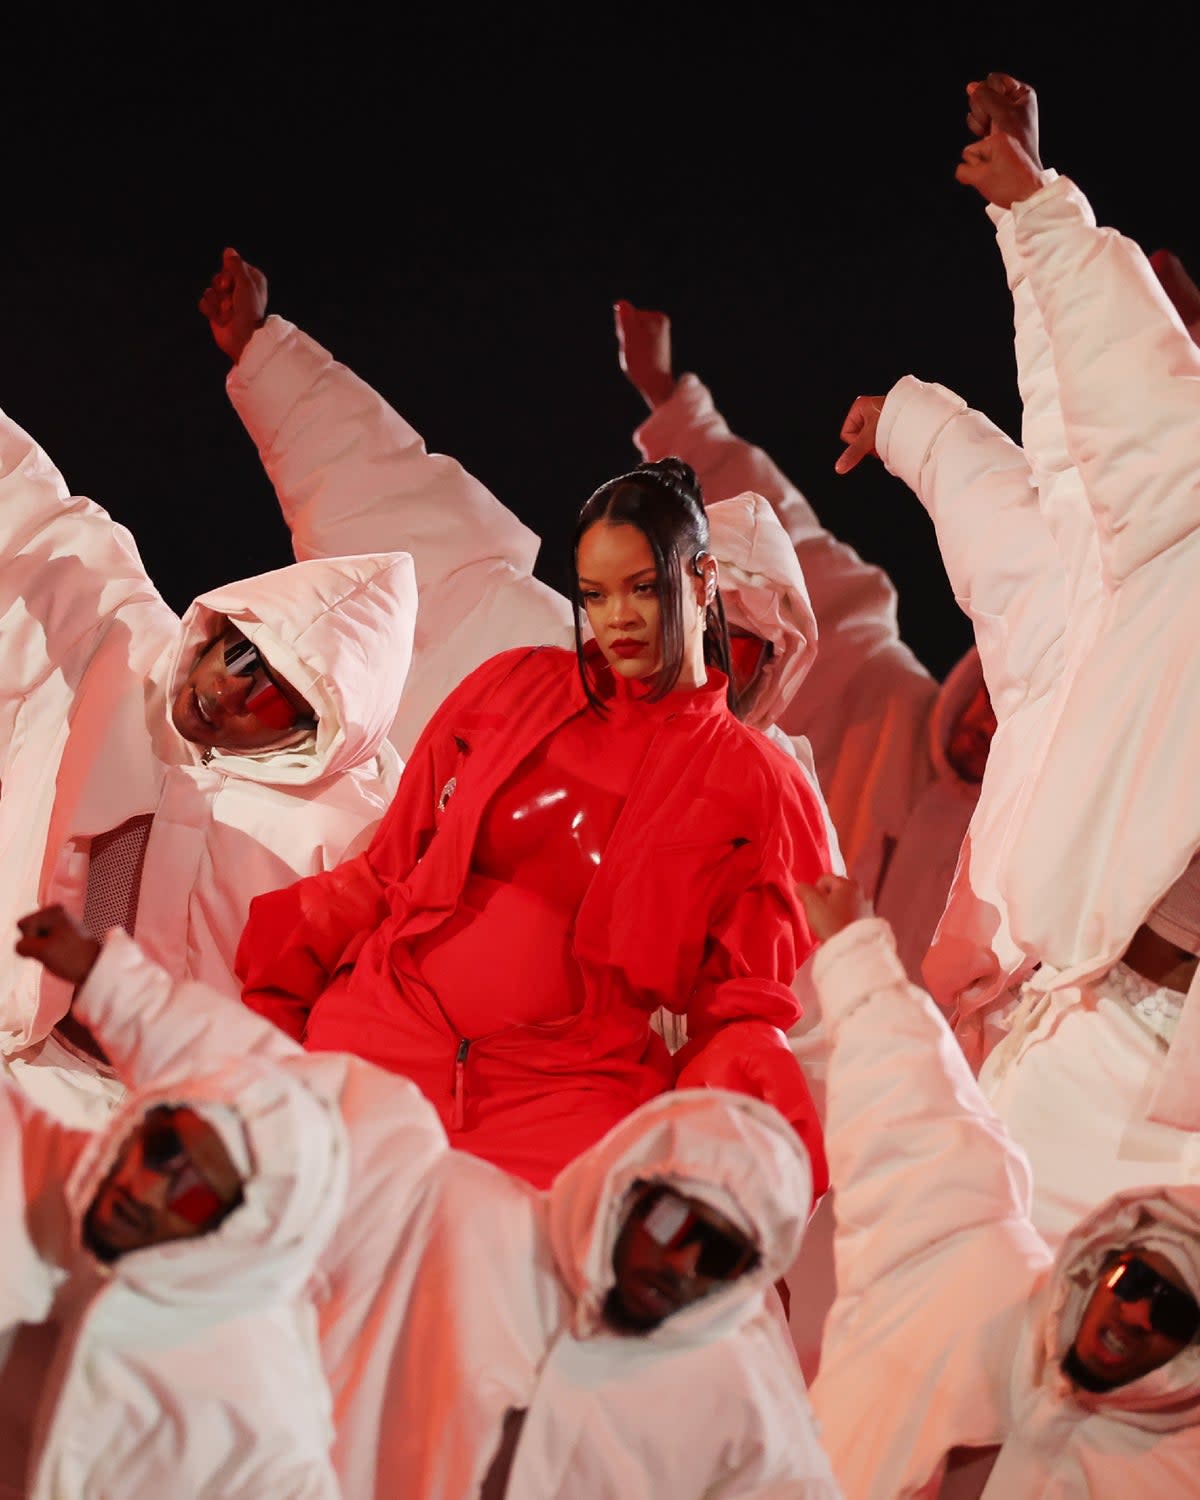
(260, 346)
(858, 961)
(118, 954)
(659, 434)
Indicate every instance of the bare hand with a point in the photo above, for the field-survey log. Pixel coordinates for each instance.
(858, 432)
(1000, 169)
(1001, 102)
(235, 303)
(644, 351)
(1179, 286)
(831, 903)
(56, 940)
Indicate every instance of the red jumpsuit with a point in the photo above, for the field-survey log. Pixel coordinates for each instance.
(544, 880)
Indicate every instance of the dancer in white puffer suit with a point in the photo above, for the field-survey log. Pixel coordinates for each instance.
(186, 1368)
(98, 779)
(953, 1316)
(1097, 1077)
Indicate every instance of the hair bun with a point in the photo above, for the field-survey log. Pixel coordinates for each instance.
(675, 472)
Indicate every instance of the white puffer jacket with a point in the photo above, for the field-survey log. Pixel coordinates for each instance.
(1089, 760)
(952, 1319)
(979, 490)
(1114, 784)
(191, 1368)
(456, 1292)
(877, 721)
(90, 656)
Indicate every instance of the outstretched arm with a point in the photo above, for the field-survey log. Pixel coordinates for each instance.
(1005, 105)
(147, 1023)
(352, 476)
(932, 1204)
(1126, 366)
(998, 552)
(1129, 374)
(66, 569)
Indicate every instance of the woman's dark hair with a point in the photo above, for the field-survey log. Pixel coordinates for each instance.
(663, 500)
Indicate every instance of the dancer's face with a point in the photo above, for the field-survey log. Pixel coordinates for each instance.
(232, 700)
(1139, 1316)
(672, 1251)
(172, 1180)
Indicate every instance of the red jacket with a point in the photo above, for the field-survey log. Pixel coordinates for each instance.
(692, 907)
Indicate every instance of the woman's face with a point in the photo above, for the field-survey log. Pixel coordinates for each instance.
(619, 586)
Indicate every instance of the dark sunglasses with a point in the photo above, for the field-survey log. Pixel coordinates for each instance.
(265, 699)
(1173, 1312)
(189, 1193)
(671, 1223)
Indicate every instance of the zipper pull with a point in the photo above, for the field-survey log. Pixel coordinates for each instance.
(460, 1085)
(206, 758)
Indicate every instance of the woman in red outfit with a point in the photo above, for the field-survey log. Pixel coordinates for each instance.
(574, 843)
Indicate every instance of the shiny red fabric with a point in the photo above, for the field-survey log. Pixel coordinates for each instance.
(692, 906)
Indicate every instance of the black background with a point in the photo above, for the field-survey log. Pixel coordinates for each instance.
(452, 199)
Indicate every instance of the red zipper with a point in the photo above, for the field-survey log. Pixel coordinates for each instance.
(460, 1084)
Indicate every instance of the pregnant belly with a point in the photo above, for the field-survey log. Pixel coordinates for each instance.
(503, 959)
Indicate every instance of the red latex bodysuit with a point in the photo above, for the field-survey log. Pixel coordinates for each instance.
(538, 847)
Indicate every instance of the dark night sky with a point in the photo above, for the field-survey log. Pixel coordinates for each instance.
(453, 204)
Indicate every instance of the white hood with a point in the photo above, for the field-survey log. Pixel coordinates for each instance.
(731, 1151)
(764, 591)
(340, 630)
(1165, 1219)
(264, 1252)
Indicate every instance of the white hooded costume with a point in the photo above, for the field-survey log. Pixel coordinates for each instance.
(952, 1316)
(1088, 813)
(189, 1368)
(456, 1292)
(1113, 784)
(107, 809)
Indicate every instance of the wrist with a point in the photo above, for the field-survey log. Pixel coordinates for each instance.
(237, 344)
(657, 390)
